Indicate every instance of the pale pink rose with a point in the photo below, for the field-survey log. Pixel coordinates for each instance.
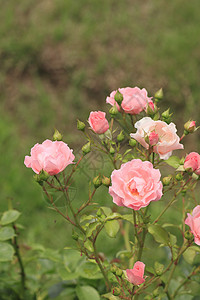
(52, 157)
(98, 122)
(136, 275)
(168, 139)
(192, 161)
(135, 184)
(193, 221)
(153, 138)
(135, 100)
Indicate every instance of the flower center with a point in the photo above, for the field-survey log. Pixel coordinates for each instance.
(132, 188)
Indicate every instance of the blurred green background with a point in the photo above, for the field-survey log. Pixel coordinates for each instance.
(60, 59)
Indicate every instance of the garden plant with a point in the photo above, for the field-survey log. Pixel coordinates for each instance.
(155, 258)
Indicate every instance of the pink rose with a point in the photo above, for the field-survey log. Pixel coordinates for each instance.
(168, 139)
(193, 221)
(98, 122)
(135, 184)
(52, 157)
(134, 101)
(136, 275)
(192, 161)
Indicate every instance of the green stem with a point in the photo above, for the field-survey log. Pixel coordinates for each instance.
(22, 271)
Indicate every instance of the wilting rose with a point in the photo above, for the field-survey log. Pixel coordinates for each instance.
(135, 184)
(193, 221)
(136, 275)
(52, 157)
(192, 161)
(98, 122)
(135, 100)
(168, 139)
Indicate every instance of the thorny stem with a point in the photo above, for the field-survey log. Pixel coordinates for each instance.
(22, 271)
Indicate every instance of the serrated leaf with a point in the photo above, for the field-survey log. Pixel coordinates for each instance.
(160, 234)
(10, 216)
(173, 161)
(6, 233)
(6, 252)
(87, 292)
(112, 228)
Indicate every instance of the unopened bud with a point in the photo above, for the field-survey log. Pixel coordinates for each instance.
(80, 125)
(166, 116)
(86, 148)
(120, 137)
(166, 180)
(113, 269)
(190, 126)
(97, 181)
(179, 177)
(106, 181)
(75, 236)
(153, 138)
(132, 142)
(113, 111)
(116, 291)
(119, 272)
(159, 95)
(158, 268)
(118, 97)
(57, 136)
(112, 150)
(188, 235)
(151, 109)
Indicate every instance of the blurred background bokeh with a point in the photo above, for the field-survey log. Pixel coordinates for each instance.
(60, 59)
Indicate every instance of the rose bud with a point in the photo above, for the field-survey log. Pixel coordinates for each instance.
(98, 122)
(192, 163)
(80, 125)
(57, 136)
(86, 148)
(166, 116)
(113, 111)
(118, 97)
(190, 127)
(106, 181)
(153, 138)
(159, 95)
(97, 181)
(132, 142)
(120, 137)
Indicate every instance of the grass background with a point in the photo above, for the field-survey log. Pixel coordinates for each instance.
(60, 59)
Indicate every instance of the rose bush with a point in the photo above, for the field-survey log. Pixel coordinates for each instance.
(135, 184)
(52, 157)
(168, 139)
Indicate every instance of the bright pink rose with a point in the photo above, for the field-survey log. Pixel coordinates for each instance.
(168, 139)
(193, 221)
(134, 101)
(98, 121)
(136, 275)
(192, 161)
(52, 157)
(135, 184)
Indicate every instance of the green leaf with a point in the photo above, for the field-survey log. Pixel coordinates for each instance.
(89, 246)
(10, 216)
(6, 252)
(6, 233)
(189, 255)
(173, 161)
(112, 228)
(128, 217)
(87, 292)
(172, 239)
(110, 296)
(160, 234)
(66, 275)
(89, 270)
(84, 218)
(107, 210)
(91, 227)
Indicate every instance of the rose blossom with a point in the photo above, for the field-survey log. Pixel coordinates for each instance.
(134, 101)
(98, 122)
(193, 221)
(135, 184)
(52, 157)
(192, 161)
(168, 139)
(135, 275)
